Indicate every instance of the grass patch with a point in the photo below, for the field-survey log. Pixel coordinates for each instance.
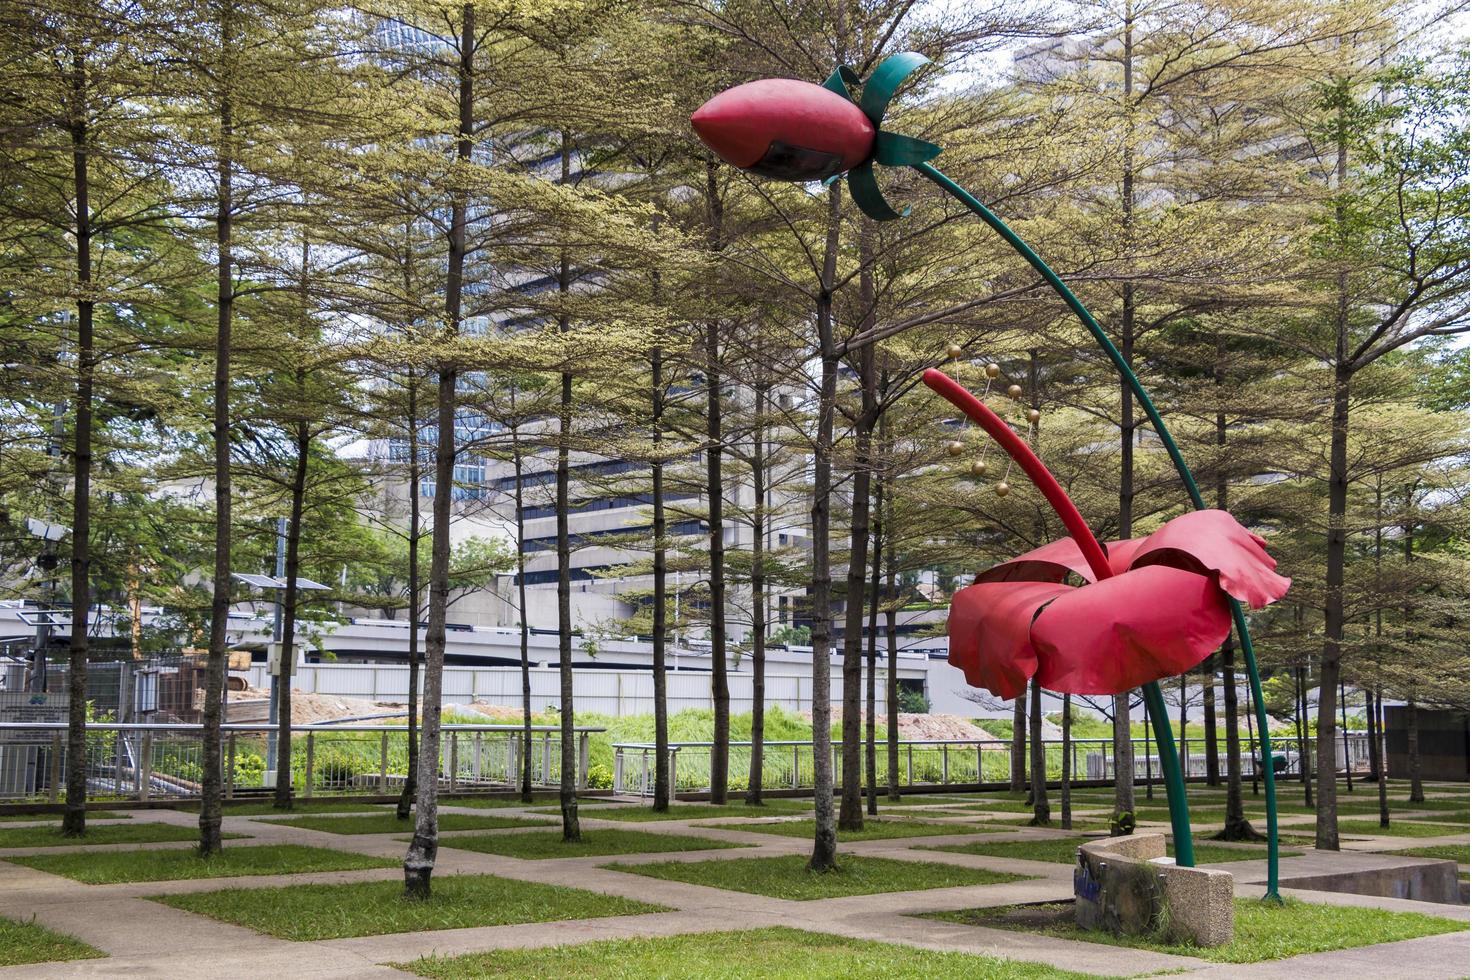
(43, 817)
(109, 867)
(787, 877)
(388, 823)
(698, 811)
(1064, 850)
(1399, 828)
(266, 808)
(789, 954)
(113, 833)
(27, 942)
(373, 908)
(872, 829)
(496, 802)
(1262, 932)
(1459, 853)
(548, 844)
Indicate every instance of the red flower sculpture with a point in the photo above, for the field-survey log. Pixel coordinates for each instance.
(1162, 612)
(1152, 607)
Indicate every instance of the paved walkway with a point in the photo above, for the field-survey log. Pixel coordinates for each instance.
(146, 939)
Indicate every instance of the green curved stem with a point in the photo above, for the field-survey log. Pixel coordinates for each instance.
(1168, 757)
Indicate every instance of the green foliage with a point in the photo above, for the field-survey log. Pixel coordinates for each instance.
(1262, 931)
(802, 956)
(303, 913)
(539, 845)
(26, 941)
(787, 876)
(108, 867)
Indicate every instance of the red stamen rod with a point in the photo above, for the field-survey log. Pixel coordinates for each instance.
(1015, 447)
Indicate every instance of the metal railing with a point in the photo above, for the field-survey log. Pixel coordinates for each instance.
(144, 761)
(789, 765)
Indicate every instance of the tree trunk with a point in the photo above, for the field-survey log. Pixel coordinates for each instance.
(1236, 826)
(212, 781)
(1018, 744)
(851, 817)
(1416, 777)
(1375, 757)
(1123, 797)
(870, 733)
(1383, 764)
(824, 844)
(662, 792)
(1123, 801)
(1040, 805)
(418, 863)
(288, 615)
(753, 785)
(1332, 626)
(571, 828)
(1212, 746)
(1066, 762)
(74, 818)
(520, 503)
(890, 629)
(1304, 759)
(719, 756)
(410, 779)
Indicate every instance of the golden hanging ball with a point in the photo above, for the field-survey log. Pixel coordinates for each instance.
(955, 352)
(1015, 391)
(992, 370)
(979, 468)
(955, 448)
(1002, 488)
(1033, 416)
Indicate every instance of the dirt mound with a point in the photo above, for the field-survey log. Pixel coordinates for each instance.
(253, 705)
(934, 728)
(927, 728)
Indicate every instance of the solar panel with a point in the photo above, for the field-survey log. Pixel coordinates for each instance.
(256, 581)
(270, 582)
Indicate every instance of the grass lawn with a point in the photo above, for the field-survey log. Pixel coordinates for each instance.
(388, 823)
(548, 844)
(27, 942)
(298, 806)
(495, 802)
(872, 829)
(1400, 828)
(375, 908)
(1262, 932)
(172, 865)
(786, 876)
(697, 811)
(1064, 850)
(113, 833)
(788, 954)
(42, 817)
(1459, 853)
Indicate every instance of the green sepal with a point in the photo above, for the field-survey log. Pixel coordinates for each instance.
(895, 150)
(841, 81)
(885, 80)
(867, 196)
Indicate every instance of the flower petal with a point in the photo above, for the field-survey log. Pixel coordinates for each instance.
(1213, 541)
(990, 632)
(1051, 562)
(1128, 630)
